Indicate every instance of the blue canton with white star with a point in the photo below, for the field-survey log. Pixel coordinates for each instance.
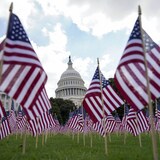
(96, 74)
(104, 81)
(148, 42)
(16, 30)
(136, 33)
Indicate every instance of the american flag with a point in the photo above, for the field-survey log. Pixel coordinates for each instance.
(87, 127)
(4, 125)
(130, 76)
(157, 114)
(76, 122)
(110, 123)
(142, 122)
(99, 127)
(105, 126)
(93, 102)
(12, 118)
(136, 122)
(124, 119)
(23, 77)
(118, 123)
(21, 119)
(51, 119)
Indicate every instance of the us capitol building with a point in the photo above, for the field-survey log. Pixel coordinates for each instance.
(71, 85)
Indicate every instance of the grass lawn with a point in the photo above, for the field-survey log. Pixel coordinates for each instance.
(66, 147)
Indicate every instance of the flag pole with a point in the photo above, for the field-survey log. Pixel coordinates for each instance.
(153, 135)
(105, 138)
(84, 125)
(78, 137)
(24, 140)
(36, 146)
(1, 61)
(90, 134)
(46, 136)
(125, 133)
(158, 125)
(139, 135)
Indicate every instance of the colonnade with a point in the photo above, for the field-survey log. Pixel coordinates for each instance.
(70, 92)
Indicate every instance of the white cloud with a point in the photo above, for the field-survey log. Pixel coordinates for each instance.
(86, 67)
(53, 56)
(97, 17)
(103, 16)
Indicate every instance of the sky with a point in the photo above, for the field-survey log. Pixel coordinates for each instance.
(83, 29)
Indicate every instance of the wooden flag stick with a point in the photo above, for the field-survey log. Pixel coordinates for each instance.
(1, 61)
(84, 126)
(125, 133)
(156, 104)
(103, 120)
(16, 135)
(139, 135)
(84, 139)
(153, 135)
(42, 138)
(90, 135)
(109, 137)
(24, 140)
(125, 137)
(21, 134)
(91, 141)
(78, 137)
(72, 135)
(140, 141)
(36, 146)
(36, 141)
(46, 136)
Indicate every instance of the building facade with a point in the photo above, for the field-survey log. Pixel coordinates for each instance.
(7, 101)
(71, 85)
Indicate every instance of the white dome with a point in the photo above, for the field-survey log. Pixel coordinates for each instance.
(71, 85)
(70, 72)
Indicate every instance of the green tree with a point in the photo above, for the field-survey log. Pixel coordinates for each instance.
(119, 110)
(61, 108)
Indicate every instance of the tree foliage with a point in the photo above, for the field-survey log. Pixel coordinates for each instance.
(61, 108)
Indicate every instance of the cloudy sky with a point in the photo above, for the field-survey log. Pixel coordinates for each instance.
(84, 29)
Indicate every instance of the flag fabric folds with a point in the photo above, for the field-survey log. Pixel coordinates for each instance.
(157, 114)
(106, 126)
(76, 122)
(23, 77)
(21, 119)
(4, 125)
(130, 76)
(12, 118)
(136, 122)
(93, 101)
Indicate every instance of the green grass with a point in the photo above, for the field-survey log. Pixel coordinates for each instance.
(65, 147)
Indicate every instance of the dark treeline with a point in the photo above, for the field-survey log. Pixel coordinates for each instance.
(61, 109)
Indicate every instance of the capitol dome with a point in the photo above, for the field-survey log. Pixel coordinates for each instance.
(71, 86)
